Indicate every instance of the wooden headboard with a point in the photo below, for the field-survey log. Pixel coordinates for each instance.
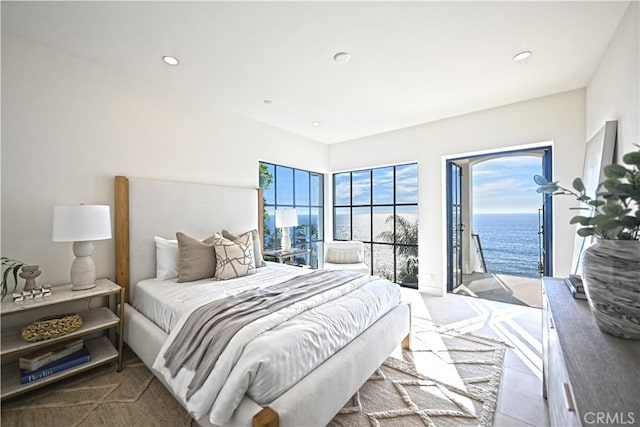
(145, 208)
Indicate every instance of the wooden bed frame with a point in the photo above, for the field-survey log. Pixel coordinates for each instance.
(399, 317)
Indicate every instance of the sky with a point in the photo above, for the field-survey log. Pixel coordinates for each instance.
(505, 185)
(502, 185)
(406, 186)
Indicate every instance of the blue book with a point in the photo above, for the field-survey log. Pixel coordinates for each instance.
(74, 359)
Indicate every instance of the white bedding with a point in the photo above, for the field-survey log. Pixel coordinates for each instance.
(281, 348)
(165, 301)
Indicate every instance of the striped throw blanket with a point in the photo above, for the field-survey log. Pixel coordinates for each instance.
(210, 328)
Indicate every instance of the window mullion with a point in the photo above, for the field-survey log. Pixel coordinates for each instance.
(351, 205)
(371, 219)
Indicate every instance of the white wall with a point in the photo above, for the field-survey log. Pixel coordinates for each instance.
(69, 126)
(614, 90)
(559, 118)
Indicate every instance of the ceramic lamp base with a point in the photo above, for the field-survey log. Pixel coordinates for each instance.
(83, 269)
(286, 240)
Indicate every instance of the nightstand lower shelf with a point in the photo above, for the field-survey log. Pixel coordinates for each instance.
(101, 351)
(92, 321)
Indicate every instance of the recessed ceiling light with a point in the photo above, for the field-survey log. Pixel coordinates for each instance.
(267, 101)
(521, 56)
(170, 60)
(341, 57)
(315, 123)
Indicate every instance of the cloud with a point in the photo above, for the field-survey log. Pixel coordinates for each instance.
(509, 162)
(383, 176)
(506, 185)
(360, 188)
(342, 185)
(359, 183)
(479, 173)
(406, 171)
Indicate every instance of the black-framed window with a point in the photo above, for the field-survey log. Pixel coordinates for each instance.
(380, 208)
(286, 187)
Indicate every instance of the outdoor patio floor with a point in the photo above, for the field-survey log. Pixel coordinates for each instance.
(503, 288)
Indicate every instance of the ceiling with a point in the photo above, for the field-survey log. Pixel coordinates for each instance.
(411, 63)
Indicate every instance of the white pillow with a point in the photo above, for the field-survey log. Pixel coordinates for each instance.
(166, 258)
(349, 252)
(343, 256)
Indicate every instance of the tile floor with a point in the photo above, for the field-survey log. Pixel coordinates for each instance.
(521, 402)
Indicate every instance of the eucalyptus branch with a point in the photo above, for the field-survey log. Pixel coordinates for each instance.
(615, 210)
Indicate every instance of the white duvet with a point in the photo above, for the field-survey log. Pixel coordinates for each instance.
(164, 302)
(268, 356)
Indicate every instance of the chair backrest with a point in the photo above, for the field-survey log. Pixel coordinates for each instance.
(344, 252)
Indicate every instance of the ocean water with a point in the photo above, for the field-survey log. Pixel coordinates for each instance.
(509, 242)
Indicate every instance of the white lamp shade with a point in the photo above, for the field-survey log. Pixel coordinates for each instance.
(286, 217)
(81, 223)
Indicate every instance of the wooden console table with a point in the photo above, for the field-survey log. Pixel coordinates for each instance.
(590, 378)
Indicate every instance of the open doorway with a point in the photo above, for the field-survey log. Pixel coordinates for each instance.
(498, 226)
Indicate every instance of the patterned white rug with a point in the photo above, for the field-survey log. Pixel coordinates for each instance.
(446, 380)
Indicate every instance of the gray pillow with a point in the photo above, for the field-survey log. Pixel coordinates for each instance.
(257, 245)
(196, 259)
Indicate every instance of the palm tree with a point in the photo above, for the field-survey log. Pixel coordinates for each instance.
(307, 233)
(406, 236)
(406, 233)
(265, 179)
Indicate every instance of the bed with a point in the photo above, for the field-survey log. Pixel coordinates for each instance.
(146, 208)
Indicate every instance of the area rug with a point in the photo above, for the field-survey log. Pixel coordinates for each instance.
(446, 380)
(99, 397)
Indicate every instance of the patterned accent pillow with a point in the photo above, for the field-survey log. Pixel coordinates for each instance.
(196, 259)
(234, 258)
(257, 246)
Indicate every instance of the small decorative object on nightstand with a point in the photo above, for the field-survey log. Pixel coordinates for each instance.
(29, 273)
(51, 327)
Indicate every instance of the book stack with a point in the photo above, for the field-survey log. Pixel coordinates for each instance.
(52, 360)
(575, 285)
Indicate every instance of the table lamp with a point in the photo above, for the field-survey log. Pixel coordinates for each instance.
(81, 225)
(285, 218)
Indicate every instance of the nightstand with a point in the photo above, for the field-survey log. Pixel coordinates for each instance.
(102, 349)
(285, 257)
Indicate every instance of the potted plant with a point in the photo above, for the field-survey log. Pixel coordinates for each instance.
(610, 266)
(10, 267)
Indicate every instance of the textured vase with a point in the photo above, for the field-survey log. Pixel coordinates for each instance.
(611, 273)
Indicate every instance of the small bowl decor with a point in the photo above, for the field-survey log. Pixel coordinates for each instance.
(51, 327)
